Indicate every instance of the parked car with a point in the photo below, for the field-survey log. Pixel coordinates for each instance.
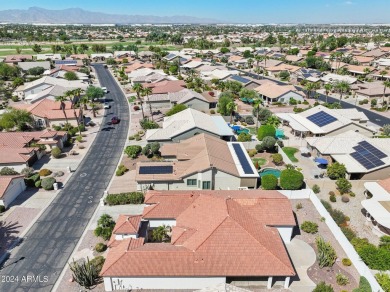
(115, 120)
(106, 105)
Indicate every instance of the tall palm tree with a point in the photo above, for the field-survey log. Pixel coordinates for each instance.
(249, 64)
(83, 101)
(146, 92)
(328, 88)
(342, 87)
(256, 107)
(62, 99)
(138, 89)
(71, 95)
(309, 87)
(386, 84)
(265, 64)
(231, 107)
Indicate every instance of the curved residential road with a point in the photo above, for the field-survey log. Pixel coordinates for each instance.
(371, 115)
(50, 242)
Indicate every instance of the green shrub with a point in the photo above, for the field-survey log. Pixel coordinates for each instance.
(56, 152)
(38, 184)
(338, 216)
(44, 172)
(383, 280)
(265, 131)
(352, 194)
(148, 124)
(27, 171)
(322, 287)
(259, 147)
(84, 273)
(125, 198)
(299, 206)
(252, 152)
(359, 243)
(342, 280)
(133, 151)
(269, 182)
(30, 181)
(326, 254)
(346, 262)
(331, 193)
(291, 179)
(375, 258)
(98, 262)
(384, 242)
(348, 232)
(316, 189)
(47, 183)
(100, 247)
(8, 171)
(269, 143)
(244, 137)
(326, 205)
(79, 138)
(212, 112)
(2, 208)
(332, 198)
(121, 170)
(176, 109)
(309, 227)
(104, 227)
(343, 185)
(336, 170)
(364, 286)
(277, 158)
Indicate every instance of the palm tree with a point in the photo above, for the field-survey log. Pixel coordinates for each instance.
(386, 84)
(83, 101)
(71, 94)
(62, 100)
(309, 87)
(342, 87)
(231, 107)
(146, 92)
(249, 63)
(138, 89)
(382, 73)
(265, 64)
(328, 88)
(256, 107)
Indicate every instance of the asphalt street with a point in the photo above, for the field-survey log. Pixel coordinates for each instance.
(46, 248)
(372, 116)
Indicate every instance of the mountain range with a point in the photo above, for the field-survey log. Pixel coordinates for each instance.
(80, 16)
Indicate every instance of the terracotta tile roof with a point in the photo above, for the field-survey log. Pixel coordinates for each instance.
(127, 224)
(359, 69)
(135, 66)
(166, 86)
(227, 241)
(17, 58)
(273, 90)
(363, 59)
(5, 181)
(283, 67)
(385, 183)
(50, 109)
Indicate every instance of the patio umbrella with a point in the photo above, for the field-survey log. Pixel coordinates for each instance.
(321, 160)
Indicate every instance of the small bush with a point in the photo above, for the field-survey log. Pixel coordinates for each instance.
(322, 287)
(45, 172)
(8, 171)
(125, 198)
(348, 232)
(342, 280)
(352, 194)
(291, 179)
(100, 247)
(336, 170)
(121, 170)
(133, 151)
(47, 183)
(338, 216)
(343, 185)
(212, 112)
(148, 124)
(345, 199)
(332, 198)
(244, 137)
(2, 209)
(56, 152)
(309, 227)
(27, 171)
(326, 254)
(298, 206)
(176, 109)
(252, 152)
(98, 262)
(259, 147)
(346, 262)
(364, 286)
(265, 131)
(316, 189)
(79, 138)
(383, 280)
(331, 193)
(277, 158)
(30, 181)
(38, 184)
(269, 182)
(326, 205)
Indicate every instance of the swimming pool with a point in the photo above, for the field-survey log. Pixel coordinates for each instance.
(275, 172)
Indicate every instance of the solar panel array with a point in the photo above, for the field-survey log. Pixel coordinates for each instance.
(170, 56)
(156, 169)
(66, 62)
(367, 155)
(321, 119)
(242, 158)
(240, 79)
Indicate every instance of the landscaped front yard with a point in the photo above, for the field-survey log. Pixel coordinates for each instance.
(290, 152)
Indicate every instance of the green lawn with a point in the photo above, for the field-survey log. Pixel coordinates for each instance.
(252, 130)
(131, 99)
(260, 161)
(290, 151)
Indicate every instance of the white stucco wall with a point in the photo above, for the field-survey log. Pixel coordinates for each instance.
(124, 236)
(161, 222)
(114, 283)
(285, 233)
(286, 98)
(198, 105)
(225, 181)
(14, 189)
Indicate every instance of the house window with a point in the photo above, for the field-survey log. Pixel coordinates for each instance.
(206, 185)
(191, 182)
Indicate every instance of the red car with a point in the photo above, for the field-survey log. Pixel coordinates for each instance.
(115, 120)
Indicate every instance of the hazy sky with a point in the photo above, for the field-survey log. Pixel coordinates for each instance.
(242, 11)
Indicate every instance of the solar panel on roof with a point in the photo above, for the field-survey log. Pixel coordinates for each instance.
(367, 155)
(239, 79)
(65, 62)
(321, 119)
(170, 56)
(155, 169)
(242, 158)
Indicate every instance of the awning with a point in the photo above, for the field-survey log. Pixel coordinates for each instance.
(321, 160)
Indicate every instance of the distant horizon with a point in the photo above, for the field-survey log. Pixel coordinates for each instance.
(340, 12)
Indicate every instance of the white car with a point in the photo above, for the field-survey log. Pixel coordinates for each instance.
(105, 89)
(106, 105)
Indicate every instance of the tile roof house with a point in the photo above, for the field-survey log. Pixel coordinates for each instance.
(370, 89)
(364, 158)
(166, 86)
(193, 99)
(25, 66)
(10, 188)
(15, 59)
(240, 234)
(21, 149)
(200, 162)
(321, 121)
(188, 123)
(273, 92)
